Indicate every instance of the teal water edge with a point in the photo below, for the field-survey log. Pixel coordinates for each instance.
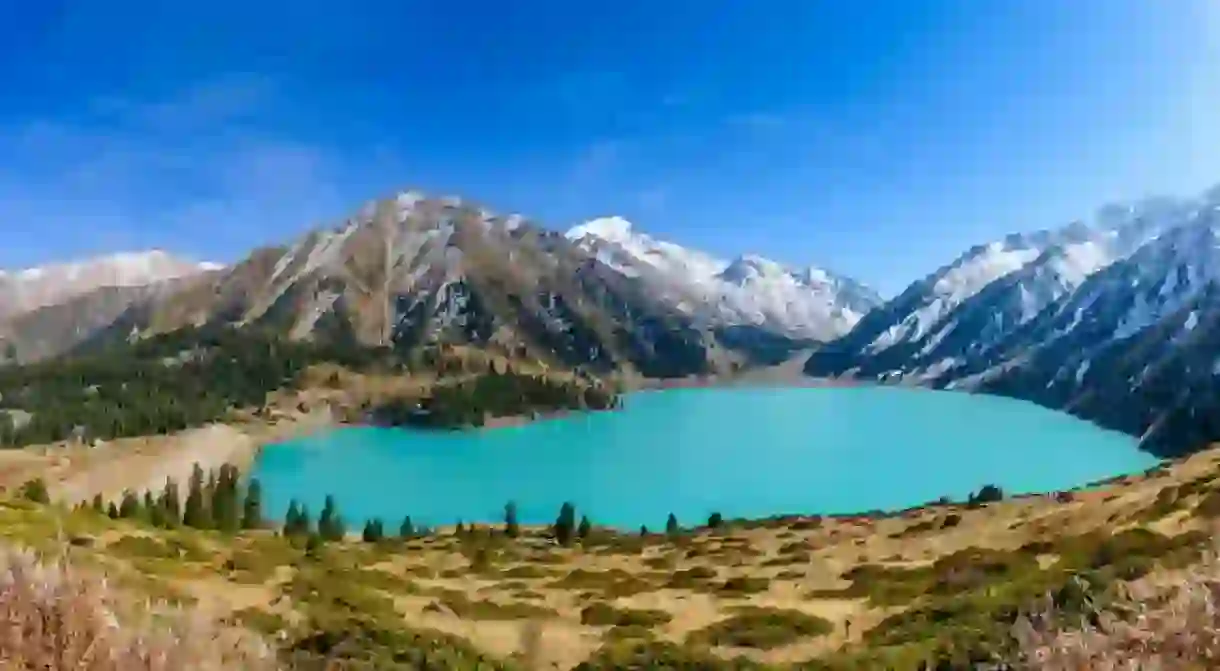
(741, 452)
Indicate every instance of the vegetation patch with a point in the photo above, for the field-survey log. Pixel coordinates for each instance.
(762, 628)
(696, 578)
(606, 615)
(742, 585)
(612, 583)
(464, 607)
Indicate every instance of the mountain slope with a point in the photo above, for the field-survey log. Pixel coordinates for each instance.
(747, 291)
(986, 294)
(1133, 348)
(33, 288)
(410, 272)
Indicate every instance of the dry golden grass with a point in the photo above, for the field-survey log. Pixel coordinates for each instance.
(53, 618)
(492, 591)
(1156, 626)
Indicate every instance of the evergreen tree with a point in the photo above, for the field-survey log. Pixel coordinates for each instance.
(305, 525)
(643, 530)
(565, 524)
(224, 500)
(715, 520)
(671, 526)
(112, 511)
(209, 495)
(155, 512)
(511, 528)
(459, 530)
(585, 527)
(292, 519)
(149, 504)
(406, 529)
(130, 507)
(171, 503)
(252, 509)
(99, 505)
(330, 523)
(195, 515)
(373, 531)
(987, 494)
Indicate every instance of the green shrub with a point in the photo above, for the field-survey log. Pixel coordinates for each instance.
(744, 584)
(604, 615)
(762, 628)
(466, 608)
(612, 583)
(694, 578)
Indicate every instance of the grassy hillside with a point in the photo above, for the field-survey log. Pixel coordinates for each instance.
(943, 586)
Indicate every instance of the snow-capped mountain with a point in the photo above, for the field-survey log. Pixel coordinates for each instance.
(1113, 321)
(33, 288)
(1133, 348)
(413, 272)
(974, 303)
(746, 291)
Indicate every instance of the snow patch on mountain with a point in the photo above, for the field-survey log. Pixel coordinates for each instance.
(33, 288)
(748, 290)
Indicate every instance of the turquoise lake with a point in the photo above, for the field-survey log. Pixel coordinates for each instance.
(744, 452)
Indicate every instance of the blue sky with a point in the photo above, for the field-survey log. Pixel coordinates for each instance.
(878, 139)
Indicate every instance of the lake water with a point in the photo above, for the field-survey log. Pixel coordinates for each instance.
(741, 452)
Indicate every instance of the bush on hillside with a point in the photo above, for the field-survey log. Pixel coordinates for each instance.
(55, 619)
(1174, 629)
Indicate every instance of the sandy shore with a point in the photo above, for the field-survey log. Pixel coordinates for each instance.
(77, 473)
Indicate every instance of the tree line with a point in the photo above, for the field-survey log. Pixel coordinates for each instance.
(494, 394)
(193, 376)
(217, 500)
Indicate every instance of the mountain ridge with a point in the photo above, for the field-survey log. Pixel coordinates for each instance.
(409, 271)
(1106, 296)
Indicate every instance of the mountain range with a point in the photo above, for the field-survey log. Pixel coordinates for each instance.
(411, 271)
(1113, 320)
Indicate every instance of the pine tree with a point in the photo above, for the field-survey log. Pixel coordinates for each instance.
(196, 513)
(99, 505)
(565, 524)
(330, 523)
(209, 495)
(148, 504)
(252, 509)
(715, 521)
(671, 526)
(171, 504)
(460, 529)
(130, 507)
(305, 525)
(585, 527)
(292, 519)
(224, 500)
(406, 529)
(373, 531)
(112, 511)
(511, 527)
